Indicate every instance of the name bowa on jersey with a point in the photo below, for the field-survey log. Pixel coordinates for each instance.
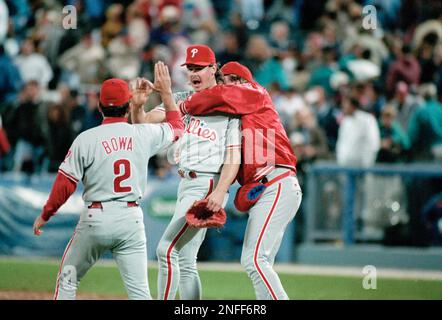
(117, 144)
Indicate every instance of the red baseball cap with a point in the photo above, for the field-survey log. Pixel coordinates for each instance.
(237, 69)
(114, 92)
(199, 55)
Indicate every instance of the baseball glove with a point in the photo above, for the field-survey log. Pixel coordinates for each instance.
(198, 216)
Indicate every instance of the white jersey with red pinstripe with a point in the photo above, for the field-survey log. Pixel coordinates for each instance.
(205, 142)
(202, 150)
(206, 139)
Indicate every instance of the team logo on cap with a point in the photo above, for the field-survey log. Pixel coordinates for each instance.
(194, 51)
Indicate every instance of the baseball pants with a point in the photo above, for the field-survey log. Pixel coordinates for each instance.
(178, 248)
(268, 220)
(115, 227)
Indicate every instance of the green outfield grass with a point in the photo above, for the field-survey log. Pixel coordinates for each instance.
(40, 276)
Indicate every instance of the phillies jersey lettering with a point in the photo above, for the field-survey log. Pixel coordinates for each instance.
(199, 128)
(202, 148)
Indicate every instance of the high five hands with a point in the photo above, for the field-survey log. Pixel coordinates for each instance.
(163, 82)
(141, 91)
(142, 88)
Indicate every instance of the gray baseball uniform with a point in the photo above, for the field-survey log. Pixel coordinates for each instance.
(111, 161)
(268, 220)
(202, 151)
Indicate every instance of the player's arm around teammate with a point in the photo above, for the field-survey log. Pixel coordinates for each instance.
(228, 174)
(277, 206)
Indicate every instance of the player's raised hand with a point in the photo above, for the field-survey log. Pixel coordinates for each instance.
(38, 224)
(142, 88)
(163, 82)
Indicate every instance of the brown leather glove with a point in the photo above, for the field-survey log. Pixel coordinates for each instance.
(198, 216)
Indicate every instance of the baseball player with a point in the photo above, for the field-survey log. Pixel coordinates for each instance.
(267, 157)
(209, 157)
(111, 160)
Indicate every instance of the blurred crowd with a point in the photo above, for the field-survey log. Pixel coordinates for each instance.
(358, 82)
(356, 91)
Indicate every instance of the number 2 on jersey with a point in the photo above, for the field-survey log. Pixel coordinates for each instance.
(121, 175)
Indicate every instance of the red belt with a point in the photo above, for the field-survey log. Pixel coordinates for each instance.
(277, 178)
(98, 205)
(182, 173)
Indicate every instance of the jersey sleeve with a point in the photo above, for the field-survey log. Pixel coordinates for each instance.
(159, 108)
(231, 99)
(159, 135)
(73, 165)
(177, 96)
(233, 136)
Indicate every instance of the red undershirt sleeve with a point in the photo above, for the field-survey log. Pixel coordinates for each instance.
(174, 118)
(61, 190)
(231, 99)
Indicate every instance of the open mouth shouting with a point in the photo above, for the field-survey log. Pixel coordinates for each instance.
(196, 82)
